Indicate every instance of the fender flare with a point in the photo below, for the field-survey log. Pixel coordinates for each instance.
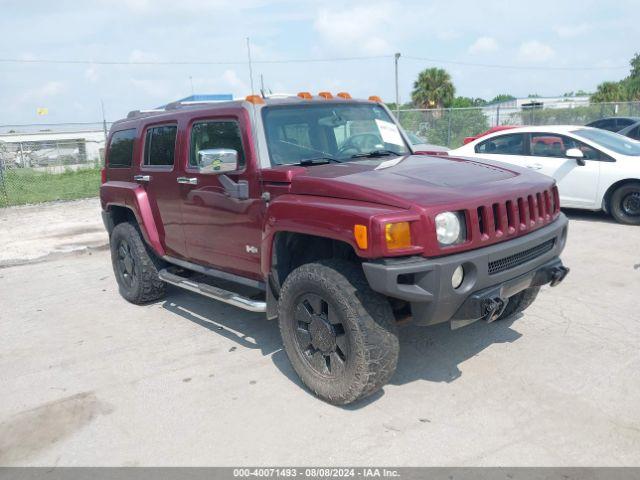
(134, 198)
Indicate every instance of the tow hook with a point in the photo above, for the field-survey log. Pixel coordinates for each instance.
(558, 274)
(492, 308)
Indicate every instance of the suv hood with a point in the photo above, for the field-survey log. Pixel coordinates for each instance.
(413, 180)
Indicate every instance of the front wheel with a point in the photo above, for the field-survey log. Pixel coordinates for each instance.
(135, 267)
(625, 204)
(340, 336)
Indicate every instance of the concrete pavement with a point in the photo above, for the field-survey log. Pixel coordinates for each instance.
(88, 379)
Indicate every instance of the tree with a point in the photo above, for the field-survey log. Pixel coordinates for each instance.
(610, 92)
(466, 102)
(503, 97)
(433, 89)
(627, 89)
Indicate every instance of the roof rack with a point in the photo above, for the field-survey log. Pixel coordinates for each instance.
(143, 113)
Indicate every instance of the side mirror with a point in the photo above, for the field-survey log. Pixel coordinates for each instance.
(577, 155)
(217, 160)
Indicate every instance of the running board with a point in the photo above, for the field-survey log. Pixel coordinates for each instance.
(213, 292)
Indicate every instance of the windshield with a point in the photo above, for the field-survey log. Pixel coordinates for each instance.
(612, 141)
(332, 132)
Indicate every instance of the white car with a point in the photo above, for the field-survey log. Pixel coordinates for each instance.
(595, 169)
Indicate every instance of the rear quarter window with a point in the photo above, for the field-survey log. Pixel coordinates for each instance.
(120, 153)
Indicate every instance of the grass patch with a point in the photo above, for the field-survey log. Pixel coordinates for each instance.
(22, 186)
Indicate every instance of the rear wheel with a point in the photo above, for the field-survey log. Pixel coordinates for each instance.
(135, 267)
(339, 335)
(519, 302)
(625, 204)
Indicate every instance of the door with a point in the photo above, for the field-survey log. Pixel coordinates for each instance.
(158, 176)
(221, 204)
(577, 184)
(508, 148)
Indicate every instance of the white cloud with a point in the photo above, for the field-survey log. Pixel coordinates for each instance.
(44, 92)
(91, 74)
(360, 29)
(153, 88)
(483, 45)
(230, 79)
(141, 56)
(571, 31)
(535, 52)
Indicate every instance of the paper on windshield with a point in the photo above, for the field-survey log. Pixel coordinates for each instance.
(389, 132)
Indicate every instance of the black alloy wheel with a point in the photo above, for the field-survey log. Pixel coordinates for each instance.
(321, 336)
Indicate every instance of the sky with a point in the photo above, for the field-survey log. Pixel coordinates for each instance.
(529, 37)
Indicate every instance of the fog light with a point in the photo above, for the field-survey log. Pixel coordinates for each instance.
(457, 277)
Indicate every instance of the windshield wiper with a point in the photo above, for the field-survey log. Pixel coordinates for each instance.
(376, 153)
(318, 161)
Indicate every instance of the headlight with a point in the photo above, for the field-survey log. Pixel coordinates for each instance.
(450, 228)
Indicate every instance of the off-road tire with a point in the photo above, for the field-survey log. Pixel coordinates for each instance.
(366, 319)
(143, 286)
(616, 204)
(519, 302)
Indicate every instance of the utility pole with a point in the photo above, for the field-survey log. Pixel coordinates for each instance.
(104, 122)
(262, 85)
(397, 57)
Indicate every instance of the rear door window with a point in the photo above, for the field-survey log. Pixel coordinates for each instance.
(121, 148)
(512, 144)
(160, 145)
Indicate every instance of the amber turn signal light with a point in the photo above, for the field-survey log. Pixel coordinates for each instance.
(397, 235)
(361, 236)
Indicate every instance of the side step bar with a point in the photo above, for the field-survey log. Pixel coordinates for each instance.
(213, 292)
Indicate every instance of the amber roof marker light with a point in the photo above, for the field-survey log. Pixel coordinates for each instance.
(375, 98)
(344, 95)
(325, 95)
(305, 95)
(255, 99)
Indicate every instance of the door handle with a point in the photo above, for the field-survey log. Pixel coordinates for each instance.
(534, 166)
(142, 178)
(188, 180)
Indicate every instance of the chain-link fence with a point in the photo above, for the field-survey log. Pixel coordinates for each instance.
(62, 161)
(37, 167)
(449, 126)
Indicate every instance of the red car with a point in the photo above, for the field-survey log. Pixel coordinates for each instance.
(314, 211)
(491, 130)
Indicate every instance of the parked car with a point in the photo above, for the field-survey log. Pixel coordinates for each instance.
(595, 169)
(317, 213)
(420, 145)
(497, 128)
(631, 131)
(613, 124)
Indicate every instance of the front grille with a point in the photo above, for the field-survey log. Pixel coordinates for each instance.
(519, 258)
(517, 215)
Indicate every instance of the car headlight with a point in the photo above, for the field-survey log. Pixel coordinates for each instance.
(450, 228)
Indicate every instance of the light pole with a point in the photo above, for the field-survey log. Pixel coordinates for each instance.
(397, 57)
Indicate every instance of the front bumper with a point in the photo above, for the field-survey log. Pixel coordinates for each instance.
(492, 275)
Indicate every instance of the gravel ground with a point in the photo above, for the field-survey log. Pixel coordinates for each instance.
(88, 379)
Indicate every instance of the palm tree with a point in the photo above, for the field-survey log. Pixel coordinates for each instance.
(610, 92)
(433, 89)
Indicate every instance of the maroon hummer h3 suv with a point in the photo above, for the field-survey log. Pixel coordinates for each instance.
(315, 211)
